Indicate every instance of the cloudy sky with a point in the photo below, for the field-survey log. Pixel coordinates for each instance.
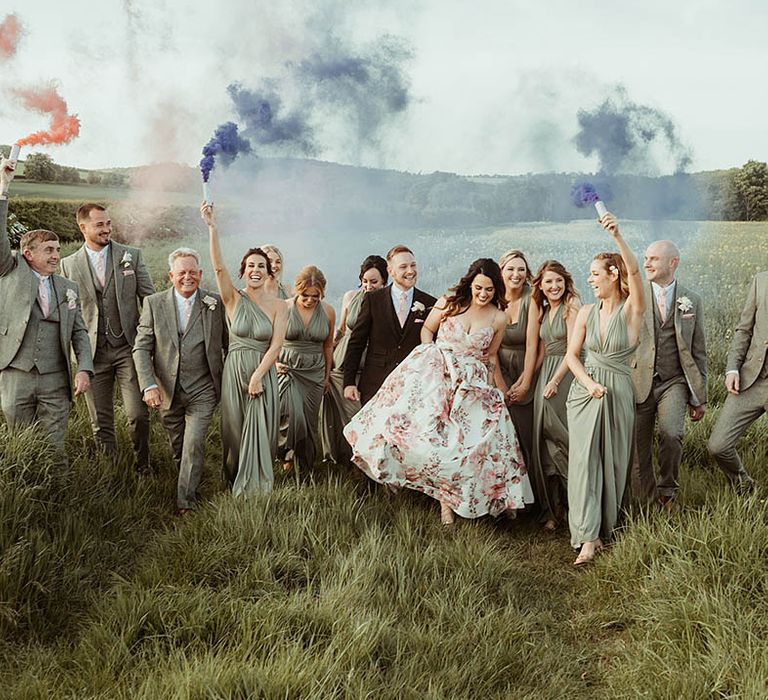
(492, 86)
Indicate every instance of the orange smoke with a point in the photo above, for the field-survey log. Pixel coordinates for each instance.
(10, 33)
(64, 127)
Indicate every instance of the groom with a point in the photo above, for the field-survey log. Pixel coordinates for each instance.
(389, 326)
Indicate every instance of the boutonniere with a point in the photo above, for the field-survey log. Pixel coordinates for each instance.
(210, 302)
(684, 304)
(71, 299)
(418, 307)
(126, 260)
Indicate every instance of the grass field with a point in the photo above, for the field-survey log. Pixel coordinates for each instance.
(331, 589)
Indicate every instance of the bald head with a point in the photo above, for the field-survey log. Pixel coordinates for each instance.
(661, 261)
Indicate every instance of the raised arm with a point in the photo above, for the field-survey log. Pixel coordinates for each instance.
(223, 279)
(636, 300)
(7, 261)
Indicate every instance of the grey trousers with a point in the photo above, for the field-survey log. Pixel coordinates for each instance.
(187, 422)
(667, 403)
(738, 413)
(110, 364)
(29, 397)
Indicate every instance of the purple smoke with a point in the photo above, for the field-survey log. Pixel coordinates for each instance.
(584, 193)
(225, 143)
(265, 122)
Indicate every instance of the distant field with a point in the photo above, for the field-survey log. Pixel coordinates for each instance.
(99, 193)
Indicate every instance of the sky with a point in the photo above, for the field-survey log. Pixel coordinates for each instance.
(491, 87)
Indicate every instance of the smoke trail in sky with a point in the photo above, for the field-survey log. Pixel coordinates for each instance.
(10, 34)
(626, 137)
(64, 126)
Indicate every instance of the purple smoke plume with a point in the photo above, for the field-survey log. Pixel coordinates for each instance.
(225, 143)
(584, 193)
(622, 132)
(262, 113)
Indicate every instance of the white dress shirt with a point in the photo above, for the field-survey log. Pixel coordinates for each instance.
(396, 294)
(669, 291)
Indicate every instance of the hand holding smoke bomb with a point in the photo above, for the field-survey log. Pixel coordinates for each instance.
(14, 156)
(207, 198)
(601, 209)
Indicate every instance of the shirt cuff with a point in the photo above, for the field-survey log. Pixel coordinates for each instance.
(731, 371)
(150, 387)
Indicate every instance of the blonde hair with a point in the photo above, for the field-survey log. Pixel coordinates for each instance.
(511, 255)
(308, 277)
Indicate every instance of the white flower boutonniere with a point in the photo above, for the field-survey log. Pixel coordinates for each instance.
(126, 260)
(418, 307)
(71, 299)
(210, 302)
(684, 304)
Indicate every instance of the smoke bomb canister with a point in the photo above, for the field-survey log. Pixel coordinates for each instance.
(601, 210)
(14, 156)
(207, 193)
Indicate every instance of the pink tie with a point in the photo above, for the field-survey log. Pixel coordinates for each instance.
(101, 269)
(402, 313)
(187, 314)
(663, 305)
(42, 296)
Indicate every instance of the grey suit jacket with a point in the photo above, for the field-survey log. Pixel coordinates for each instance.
(18, 291)
(132, 284)
(156, 349)
(750, 338)
(691, 346)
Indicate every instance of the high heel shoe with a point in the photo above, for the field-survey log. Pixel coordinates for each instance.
(446, 514)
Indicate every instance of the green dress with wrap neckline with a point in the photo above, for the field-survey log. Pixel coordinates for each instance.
(602, 431)
(248, 424)
(301, 387)
(550, 420)
(335, 410)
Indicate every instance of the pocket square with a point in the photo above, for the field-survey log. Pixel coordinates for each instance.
(689, 315)
(128, 272)
(71, 305)
(418, 320)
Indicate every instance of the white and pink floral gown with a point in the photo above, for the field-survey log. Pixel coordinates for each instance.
(438, 426)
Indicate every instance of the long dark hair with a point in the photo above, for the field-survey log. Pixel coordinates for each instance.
(460, 296)
(374, 262)
(538, 295)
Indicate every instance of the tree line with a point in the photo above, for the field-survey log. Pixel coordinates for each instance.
(40, 167)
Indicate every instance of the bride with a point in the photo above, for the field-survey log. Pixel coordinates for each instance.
(437, 425)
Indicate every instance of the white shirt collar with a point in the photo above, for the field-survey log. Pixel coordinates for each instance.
(669, 290)
(180, 300)
(39, 276)
(93, 254)
(397, 291)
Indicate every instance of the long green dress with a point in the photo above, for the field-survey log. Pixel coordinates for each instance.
(512, 361)
(301, 387)
(335, 410)
(602, 431)
(550, 421)
(248, 425)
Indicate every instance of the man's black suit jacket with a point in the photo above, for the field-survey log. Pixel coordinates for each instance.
(378, 329)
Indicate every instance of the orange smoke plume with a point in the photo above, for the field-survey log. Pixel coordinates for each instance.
(10, 33)
(64, 127)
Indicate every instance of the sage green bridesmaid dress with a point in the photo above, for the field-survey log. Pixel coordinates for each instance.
(601, 430)
(512, 361)
(248, 425)
(335, 410)
(301, 387)
(550, 420)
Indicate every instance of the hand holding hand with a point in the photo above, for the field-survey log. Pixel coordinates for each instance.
(518, 391)
(206, 211)
(732, 382)
(153, 397)
(82, 382)
(696, 413)
(351, 393)
(255, 386)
